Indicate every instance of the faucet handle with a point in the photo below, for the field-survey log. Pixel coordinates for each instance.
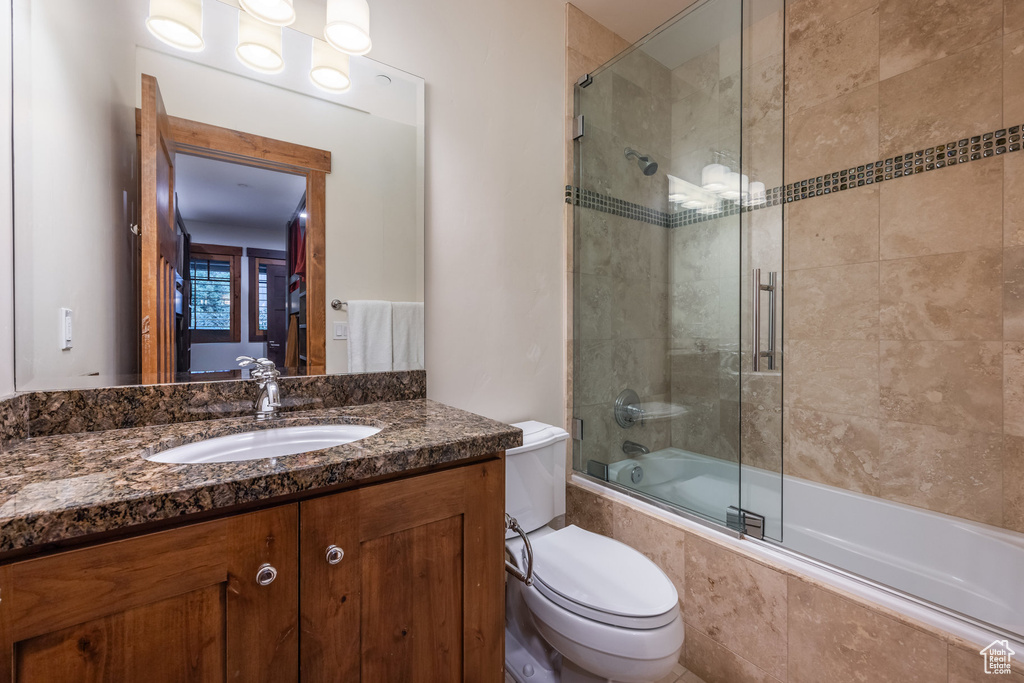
(265, 370)
(245, 361)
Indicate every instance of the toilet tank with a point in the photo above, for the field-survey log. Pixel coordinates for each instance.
(535, 476)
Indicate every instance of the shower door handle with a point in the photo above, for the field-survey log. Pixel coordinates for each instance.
(756, 354)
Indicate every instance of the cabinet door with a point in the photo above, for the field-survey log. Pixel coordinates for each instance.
(178, 605)
(418, 595)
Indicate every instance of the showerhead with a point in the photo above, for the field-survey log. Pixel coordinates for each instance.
(646, 164)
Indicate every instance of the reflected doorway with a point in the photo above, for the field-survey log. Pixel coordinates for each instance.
(173, 322)
(241, 284)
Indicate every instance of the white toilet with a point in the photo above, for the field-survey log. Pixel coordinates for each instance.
(598, 610)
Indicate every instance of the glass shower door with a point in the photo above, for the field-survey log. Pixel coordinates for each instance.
(661, 248)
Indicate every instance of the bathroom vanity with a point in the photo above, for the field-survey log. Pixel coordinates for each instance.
(378, 560)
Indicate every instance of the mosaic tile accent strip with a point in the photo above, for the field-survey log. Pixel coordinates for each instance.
(588, 199)
(965, 150)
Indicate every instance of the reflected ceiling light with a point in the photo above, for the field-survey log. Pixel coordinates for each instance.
(757, 193)
(275, 12)
(348, 26)
(259, 44)
(330, 70)
(179, 23)
(713, 177)
(736, 186)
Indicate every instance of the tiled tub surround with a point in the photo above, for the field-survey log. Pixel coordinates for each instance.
(694, 302)
(906, 256)
(838, 423)
(904, 305)
(60, 487)
(758, 617)
(621, 264)
(90, 410)
(947, 155)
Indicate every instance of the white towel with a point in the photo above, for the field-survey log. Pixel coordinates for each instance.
(369, 336)
(407, 332)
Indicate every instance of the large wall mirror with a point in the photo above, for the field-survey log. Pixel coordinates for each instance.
(176, 209)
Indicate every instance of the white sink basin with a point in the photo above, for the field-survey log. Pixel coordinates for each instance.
(265, 443)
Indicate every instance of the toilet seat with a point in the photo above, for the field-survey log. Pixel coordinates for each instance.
(604, 580)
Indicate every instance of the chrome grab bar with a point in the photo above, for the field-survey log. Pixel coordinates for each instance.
(527, 578)
(756, 354)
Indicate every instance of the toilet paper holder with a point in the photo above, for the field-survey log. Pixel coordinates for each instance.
(527, 577)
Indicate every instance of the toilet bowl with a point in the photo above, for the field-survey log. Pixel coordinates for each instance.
(597, 610)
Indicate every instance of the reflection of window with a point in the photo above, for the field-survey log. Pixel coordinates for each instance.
(215, 288)
(261, 300)
(261, 262)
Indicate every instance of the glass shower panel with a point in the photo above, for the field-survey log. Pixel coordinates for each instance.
(762, 136)
(658, 264)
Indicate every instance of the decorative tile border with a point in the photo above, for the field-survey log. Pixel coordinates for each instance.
(995, 143)
(588, 199)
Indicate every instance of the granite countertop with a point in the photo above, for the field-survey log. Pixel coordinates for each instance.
(56, 488)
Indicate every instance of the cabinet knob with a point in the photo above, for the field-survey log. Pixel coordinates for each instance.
(265, 575)
(334, 554)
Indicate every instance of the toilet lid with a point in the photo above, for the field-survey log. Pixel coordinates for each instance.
(602, 575)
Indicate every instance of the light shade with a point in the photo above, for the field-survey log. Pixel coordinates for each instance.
(330, 69)
(178, 23)
(275, 12)
(259, 44)
(736, 186)
(713, 177)
(757, 193)
(348, 26)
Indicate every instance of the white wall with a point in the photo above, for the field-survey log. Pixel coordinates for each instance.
(73, 245)
(372, 228)
(6, 223)
(495, 263)
(218, 356)
(494, 253)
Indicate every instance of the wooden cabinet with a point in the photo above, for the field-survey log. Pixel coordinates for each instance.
(418, 594)
(412, 590)
(178, 605)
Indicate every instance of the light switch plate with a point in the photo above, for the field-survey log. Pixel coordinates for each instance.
(341, 330)
(65, 329)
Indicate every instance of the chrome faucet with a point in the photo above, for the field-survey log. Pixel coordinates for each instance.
(633, 449)
(265, 373)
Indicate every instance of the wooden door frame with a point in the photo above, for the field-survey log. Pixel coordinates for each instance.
(224, 144)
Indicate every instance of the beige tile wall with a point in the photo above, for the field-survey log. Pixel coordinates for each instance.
(621, 264)
(904, 301)
(925, 402)
(748, 621)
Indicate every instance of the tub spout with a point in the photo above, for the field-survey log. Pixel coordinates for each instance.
(632, 449)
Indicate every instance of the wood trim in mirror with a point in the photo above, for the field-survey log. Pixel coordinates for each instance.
(196, 137)
(225, 144)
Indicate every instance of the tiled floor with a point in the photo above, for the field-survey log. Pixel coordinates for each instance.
(678, 675)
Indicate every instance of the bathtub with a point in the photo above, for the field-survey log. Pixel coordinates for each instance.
(961, 570)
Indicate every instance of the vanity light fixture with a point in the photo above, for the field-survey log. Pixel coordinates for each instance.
(179, 23)
(273, 12)
(736, 186)
(757, 195)
(713, 177)
(330, 69)
(348, 26)
(259, 44)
